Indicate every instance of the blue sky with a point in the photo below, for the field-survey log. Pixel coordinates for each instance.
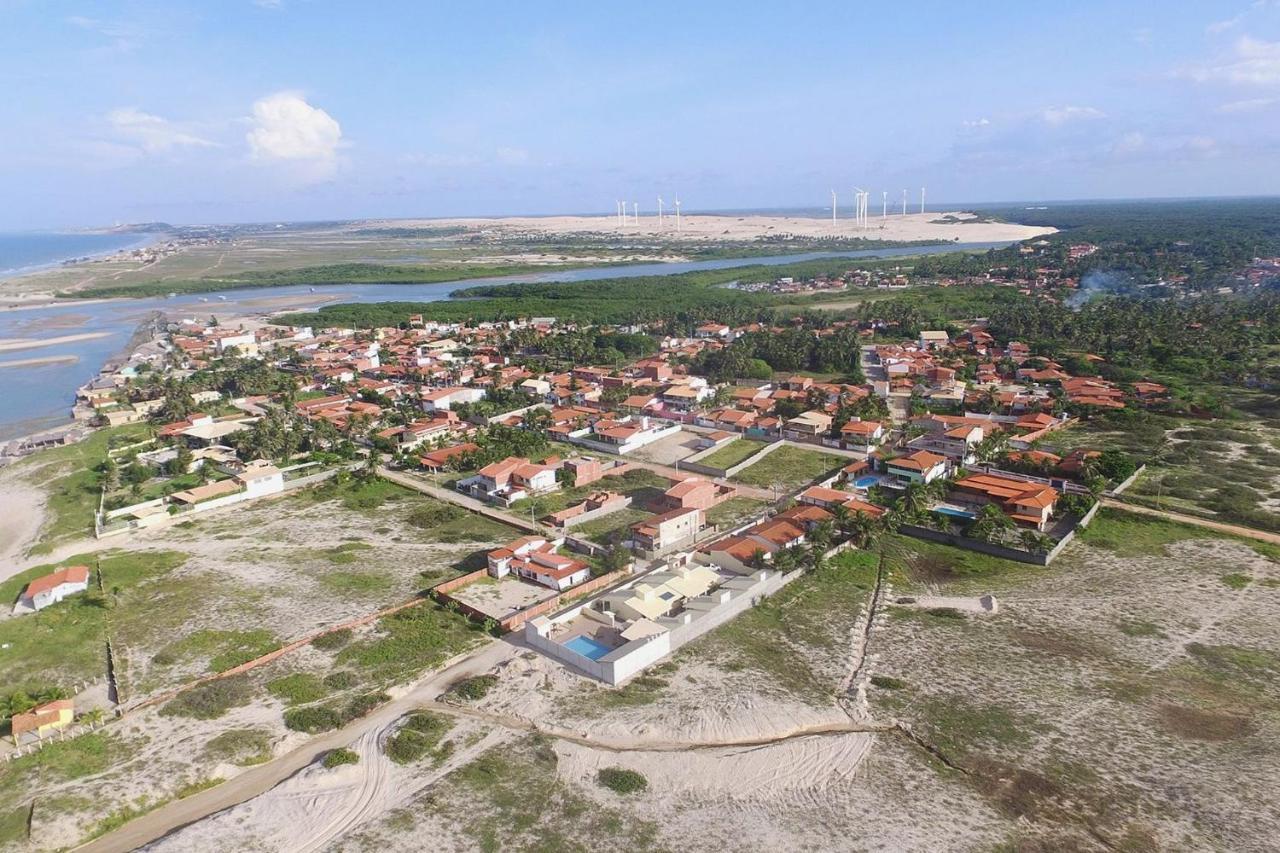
(237, 110)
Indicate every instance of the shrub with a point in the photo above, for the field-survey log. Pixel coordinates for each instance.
(243, 747)
(418, 736)
(297, 689)
(887, 682)
(362, 705)
(211, 700)
(433, 515)
(945, 613)
(475, 688)
(622, 781)
(333, 640)
(341, 680)
(339, 757)
(312, 719)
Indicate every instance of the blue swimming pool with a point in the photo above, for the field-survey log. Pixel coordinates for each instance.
(588, 647)
(953, 512)
(866, 482)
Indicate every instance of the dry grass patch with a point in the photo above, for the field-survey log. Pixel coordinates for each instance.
(1198, 724)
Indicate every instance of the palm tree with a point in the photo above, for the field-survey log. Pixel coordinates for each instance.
(864, 529)
(842, 519)
(822, 534)
(817, 556)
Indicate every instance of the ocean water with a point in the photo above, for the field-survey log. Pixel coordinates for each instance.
(35, 249)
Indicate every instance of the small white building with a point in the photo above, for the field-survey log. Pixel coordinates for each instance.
(259, 478)
(443, 399)
(52, 588)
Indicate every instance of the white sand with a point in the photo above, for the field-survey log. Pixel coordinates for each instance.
(9, 344)
(707, 227)
(19, 523)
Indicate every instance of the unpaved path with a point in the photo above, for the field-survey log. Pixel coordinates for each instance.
(1234, 529)
(264, 777)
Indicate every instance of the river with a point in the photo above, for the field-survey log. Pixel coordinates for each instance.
(39, 397)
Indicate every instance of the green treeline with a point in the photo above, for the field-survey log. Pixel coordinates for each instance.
(329, 274)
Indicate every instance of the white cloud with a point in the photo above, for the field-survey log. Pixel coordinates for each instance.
(152, 133)
(1062, 115)
(287, 128)
(1248, 105)
(977, 122)
(121, 36)
(1252, 62)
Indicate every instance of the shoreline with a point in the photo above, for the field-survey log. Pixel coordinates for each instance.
(146, 239)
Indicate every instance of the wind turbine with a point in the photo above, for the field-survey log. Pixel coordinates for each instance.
(659, 213)
(619, 211)
(904, 202)
(677, 214)
(922, 199)
(635, 213)
(833, 208)
(857, 206)
(884, 204)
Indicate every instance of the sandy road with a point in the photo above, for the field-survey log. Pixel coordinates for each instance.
(264, 777)
(1196, 521)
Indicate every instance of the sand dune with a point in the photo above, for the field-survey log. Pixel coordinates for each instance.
(696, 228)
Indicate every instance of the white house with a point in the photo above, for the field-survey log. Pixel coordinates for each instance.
(535, 558)
(443, 399)
(259, 478)
(52, 588)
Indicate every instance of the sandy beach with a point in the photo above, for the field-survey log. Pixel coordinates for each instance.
(19, 523)
(11, 344)
(36, 362)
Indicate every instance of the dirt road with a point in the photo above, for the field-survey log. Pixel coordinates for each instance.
(1234, 529)
(262, 778)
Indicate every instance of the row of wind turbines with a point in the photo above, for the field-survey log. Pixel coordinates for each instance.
(860, 200)
(634, 218)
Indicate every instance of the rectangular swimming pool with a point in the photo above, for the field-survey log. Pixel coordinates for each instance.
(588, 647)
(954, 512)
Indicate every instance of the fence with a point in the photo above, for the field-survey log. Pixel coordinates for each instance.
(1002, 551)
(515, 619)
(693, 464)
(277, 653)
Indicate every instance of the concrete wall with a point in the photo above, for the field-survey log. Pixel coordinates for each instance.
(591, 515)
(111, 524)
(739, 602)
(702, 614)
(693, 464)
(615, 667)
(515, 619)
(605, 447)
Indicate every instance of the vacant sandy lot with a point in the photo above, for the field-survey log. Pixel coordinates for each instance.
(1119, 700)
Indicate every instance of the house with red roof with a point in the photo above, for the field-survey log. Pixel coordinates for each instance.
(537, 559)
(512, 479)
(53, 587)
(43, 719)
(921, 466)
(1025, 501)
